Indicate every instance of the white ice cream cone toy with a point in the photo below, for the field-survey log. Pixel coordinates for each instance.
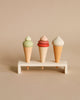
(43, 45)
(27, 45)
(57, 48)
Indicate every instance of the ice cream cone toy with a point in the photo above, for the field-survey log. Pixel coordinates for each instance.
(57, 47)
(43, 45)
(27, 45)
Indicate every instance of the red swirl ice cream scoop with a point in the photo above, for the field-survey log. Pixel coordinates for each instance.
(43, 45)
(43, 42)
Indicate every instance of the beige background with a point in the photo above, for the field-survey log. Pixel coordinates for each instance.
(19, 18)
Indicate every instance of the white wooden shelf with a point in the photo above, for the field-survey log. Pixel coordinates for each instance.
(46, 64)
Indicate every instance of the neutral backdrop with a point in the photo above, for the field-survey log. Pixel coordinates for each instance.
(20, 18)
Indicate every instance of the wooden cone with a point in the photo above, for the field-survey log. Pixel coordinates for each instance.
(43, 53)
(28, 52)
(57, 52)
(27, 67)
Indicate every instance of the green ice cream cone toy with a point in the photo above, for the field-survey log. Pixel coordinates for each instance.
(28, 45)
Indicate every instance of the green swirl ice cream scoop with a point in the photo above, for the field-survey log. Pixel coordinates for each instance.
(28, 42)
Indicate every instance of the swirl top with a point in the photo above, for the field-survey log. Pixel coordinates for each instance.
(58, 41)
(44, 38)
(28, 38)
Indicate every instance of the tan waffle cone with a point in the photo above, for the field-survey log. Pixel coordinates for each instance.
(28, 52)
(57, 52)
(43, 53)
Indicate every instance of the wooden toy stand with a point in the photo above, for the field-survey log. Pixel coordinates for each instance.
(46, 64)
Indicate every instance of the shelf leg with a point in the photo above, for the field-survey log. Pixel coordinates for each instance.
(65, 69)
(19, 69)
